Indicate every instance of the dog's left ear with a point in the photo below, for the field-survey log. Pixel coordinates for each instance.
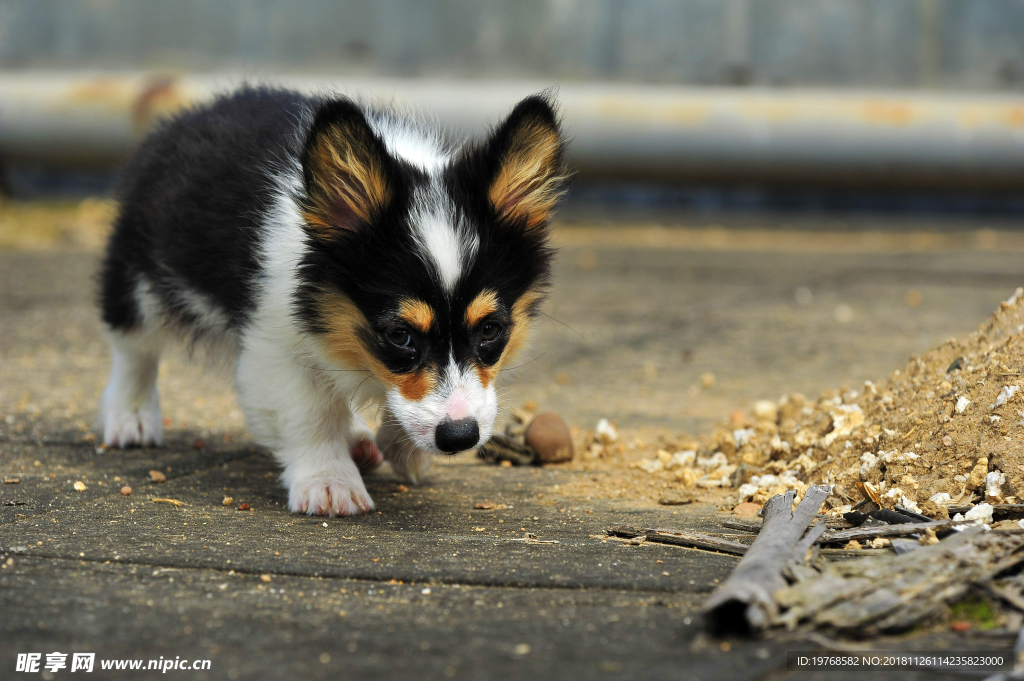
(527, 152)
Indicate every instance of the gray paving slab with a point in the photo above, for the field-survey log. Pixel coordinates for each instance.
(430, 533)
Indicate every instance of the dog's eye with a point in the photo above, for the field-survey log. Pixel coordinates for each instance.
(399, 338)
(490, 331)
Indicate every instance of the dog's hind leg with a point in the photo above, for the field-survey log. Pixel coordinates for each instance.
(130, 409)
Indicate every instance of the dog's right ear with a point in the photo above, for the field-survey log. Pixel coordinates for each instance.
(345, 167)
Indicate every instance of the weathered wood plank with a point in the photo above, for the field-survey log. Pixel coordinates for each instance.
(874, 532)
(696, 540)
(746, 600)
(895, 592)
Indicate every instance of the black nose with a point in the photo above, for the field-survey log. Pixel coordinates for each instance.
(456, 436)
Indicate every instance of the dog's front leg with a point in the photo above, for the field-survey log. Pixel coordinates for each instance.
(310, 430)
(409, 462)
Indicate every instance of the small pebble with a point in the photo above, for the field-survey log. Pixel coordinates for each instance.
(80, 486)
(402, 488)
(738, 419)
(228, 501)
(746, 508)
(707, 380)
(264, 578)
(244, 507)
(126, 491)
(549, 436)
(157, 476)
(766, 410)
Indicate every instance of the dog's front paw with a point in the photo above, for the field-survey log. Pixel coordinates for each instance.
(331, 493)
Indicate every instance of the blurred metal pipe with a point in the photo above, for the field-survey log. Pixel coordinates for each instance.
(618, 130)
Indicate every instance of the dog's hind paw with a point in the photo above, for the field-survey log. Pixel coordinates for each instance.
(141, 428)
(365, 454)
(409, 462)
(411, 465)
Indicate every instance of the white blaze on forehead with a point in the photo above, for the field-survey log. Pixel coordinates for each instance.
(443, 239)
(410, 141)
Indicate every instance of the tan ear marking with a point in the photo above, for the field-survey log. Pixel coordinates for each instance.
(484, 304)
(347, 180)
(416, 314)
(528, 184)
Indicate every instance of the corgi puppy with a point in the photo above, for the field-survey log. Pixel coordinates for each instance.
(338, 256)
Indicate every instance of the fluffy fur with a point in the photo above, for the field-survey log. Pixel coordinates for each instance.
(337, 256)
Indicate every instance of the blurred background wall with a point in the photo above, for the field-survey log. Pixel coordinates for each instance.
(947, 44)
(913, 105)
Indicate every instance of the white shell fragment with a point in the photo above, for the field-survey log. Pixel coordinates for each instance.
(714, 462)
(742, 436)
(941, 499)
(994, 482)
(845, 417)
(605, 433)
(980, 515)
(1006, 395)
(746, 491)
(961, 404)
(684, 459)
(899, 498)
(652, 465)
(868, 461)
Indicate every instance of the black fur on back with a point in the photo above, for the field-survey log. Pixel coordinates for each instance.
(191, 203)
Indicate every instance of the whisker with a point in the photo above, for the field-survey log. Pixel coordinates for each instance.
(330, 370)
(563, 324)
(525, 363)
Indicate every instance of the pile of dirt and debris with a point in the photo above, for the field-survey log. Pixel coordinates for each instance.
(946, 431)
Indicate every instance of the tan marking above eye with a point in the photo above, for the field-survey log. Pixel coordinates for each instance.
(416, 314)
(517, 335)
(484, 304)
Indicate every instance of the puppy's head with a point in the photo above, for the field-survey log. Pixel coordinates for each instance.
(425, 269)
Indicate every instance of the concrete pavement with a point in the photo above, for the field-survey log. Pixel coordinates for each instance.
(429, 586)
